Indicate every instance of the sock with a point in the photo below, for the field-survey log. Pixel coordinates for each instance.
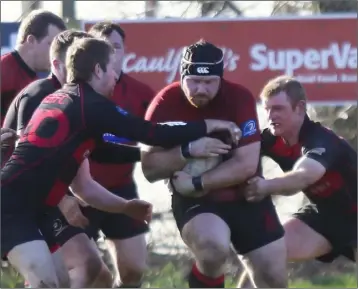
(199, 280)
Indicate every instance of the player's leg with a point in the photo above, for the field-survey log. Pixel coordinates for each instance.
(79, 253)
(126, 238)
(304, 235)
(208, 237)
(258, 235)
(26, 250)
(324, 235)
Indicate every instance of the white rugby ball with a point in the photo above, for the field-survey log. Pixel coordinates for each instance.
(198, 166)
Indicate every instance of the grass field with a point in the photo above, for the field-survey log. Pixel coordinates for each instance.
(170, 277)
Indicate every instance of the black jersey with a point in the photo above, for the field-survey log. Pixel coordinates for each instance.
(337, 189)
(26, 102)
(62, 131)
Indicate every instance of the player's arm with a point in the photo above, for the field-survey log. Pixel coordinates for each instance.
(87, 189)
(116, 121)
(115, 153)
(245, 160)
(92, 193)
(158, 163)
(309, 169)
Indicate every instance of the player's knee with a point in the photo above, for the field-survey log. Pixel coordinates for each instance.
(211, 255)
(132, 275)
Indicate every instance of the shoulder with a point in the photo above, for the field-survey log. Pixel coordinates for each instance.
(169, 93)
(236, 91)
(136, 84)
(268, 140)
(7, 58)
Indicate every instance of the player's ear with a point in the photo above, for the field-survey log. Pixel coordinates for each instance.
(301, 106)
(98, 71)
(31, 39)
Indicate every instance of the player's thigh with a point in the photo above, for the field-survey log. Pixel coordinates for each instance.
(306, 235)
(34, 262)
(258, 235)
(253, 225)
(61, 269)
(201, 227)
(81, 252)
(131, 253)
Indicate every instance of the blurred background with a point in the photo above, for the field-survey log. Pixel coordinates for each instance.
(244, 24)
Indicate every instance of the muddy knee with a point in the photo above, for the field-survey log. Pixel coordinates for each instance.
(211, 257)
(132, 275)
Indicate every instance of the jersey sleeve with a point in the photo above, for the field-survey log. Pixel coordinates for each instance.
(112, 153)
(10, 120)
(322, 148)
(26, 108)
(246, 118)
(102, 116)
(156, 112)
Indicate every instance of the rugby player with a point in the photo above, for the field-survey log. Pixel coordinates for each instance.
(53, 224)
(19, 67)
(210, 224)
(52, 155)
(123, 233)
(315, 161)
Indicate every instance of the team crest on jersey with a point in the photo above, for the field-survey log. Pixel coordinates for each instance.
(249, 128)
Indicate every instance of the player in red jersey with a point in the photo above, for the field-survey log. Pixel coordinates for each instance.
(19, 68)
(54, 147)
(123, 233)
(210, 224)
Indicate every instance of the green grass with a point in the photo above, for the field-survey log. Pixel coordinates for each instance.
(335, 281)
(171, 277)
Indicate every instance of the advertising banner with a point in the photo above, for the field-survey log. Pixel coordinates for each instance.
(321, 52)
(8, 36)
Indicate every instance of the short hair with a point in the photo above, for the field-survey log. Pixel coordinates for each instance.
(105, 29)
(83, 56)
(62, 42)
(36, 23)
(284, 83)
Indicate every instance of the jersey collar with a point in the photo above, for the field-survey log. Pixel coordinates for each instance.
(23, 64)
(55, 80)
(307, 123)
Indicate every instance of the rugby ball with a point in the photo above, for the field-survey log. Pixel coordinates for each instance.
(196, 167)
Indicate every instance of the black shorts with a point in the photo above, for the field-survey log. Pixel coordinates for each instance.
(20, 228)
(339, 229)
(113, 226)
(252, 225)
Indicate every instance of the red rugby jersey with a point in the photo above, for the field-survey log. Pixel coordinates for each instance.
(134, 97)
(15, 75)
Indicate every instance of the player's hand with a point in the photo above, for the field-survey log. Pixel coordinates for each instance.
(208, 147)
(182, 183)
(256, 190)
(214, 125)
(139, 210)
(70, 208)
(8, 136)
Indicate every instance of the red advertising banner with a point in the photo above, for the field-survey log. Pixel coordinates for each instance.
(321, 52)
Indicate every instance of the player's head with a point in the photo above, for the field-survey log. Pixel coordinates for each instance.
(201, 70)
(92, 60)
(35, 35)
(58, 49)
(284, 100)
(113, 33)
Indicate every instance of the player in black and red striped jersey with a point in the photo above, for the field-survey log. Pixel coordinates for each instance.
(19, 67)
(52, 155)
(317, 162)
